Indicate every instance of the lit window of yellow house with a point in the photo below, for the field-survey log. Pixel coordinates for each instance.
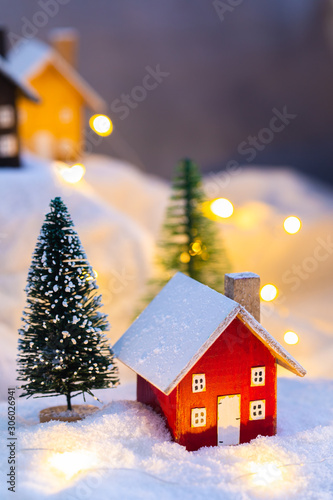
(54, 129)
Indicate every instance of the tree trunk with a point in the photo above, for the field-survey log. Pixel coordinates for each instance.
(69, 405)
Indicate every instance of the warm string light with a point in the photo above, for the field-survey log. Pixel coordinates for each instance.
(184, 257)
(291, 338)
(70, 174)
(292, 224)
(268, 292)
(222, 208)
(69, 463)
(101, 124)
(264, 473)
(196, 248)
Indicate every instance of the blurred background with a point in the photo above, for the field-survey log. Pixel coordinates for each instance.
(243, 88)
(228, 68)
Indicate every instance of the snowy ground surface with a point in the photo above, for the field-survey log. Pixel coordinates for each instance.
(117, 212)
(124, 451)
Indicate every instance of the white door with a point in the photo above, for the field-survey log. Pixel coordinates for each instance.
(228, 419)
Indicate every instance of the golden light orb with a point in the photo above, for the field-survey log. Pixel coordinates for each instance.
(101, 124)
(265, 474)
(184, 257)
(291, 338)
(72, 174)
(222, 208)
(268, 292)
(70, 463)
(292, 224)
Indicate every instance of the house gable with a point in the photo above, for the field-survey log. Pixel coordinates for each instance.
(57, 94)
(227, 368)
(31, 59)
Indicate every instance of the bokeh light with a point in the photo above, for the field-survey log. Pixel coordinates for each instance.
(291, 338)
(101, 124)
(71, 174)
(70, 463)
(268, 292)
(185, 257)
(292, 224)
(222, 207)
(265, 474)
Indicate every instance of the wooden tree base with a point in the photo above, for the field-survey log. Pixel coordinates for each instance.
(78, 412)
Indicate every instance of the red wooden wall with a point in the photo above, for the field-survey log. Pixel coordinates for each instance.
(166, 405)
(227, 365)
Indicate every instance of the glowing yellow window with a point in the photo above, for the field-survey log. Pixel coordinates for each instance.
(8, 145)
(258, 376)
(198, 417)
(199, 382)
(257, 409)
(7, 116)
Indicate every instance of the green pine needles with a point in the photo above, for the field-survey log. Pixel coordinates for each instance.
(62, 347)
(190, 242)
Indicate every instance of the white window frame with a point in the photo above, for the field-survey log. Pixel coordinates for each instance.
(255, 376)
(198, 382)
(258, 409)
(7, 116)
(198, 417)
(8, 145)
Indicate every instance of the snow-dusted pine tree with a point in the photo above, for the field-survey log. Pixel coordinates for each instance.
(189, 243)
(62, 347)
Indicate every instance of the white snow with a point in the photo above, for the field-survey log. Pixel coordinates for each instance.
(124, 451)
(10, 71)
(242, 276)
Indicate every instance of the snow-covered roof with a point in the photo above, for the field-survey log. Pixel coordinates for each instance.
(8, 70)
(178, 327)
(32, 56)
(242, 276)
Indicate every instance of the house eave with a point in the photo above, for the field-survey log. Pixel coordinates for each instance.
(283, 358)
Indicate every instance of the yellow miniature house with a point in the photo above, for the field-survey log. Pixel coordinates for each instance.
(54, 129)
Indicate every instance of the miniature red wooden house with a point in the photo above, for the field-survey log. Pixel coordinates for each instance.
(205, 362)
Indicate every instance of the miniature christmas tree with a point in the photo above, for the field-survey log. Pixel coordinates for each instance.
(189, 241)
(62, 348)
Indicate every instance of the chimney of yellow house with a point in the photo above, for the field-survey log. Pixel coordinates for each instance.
(65, 42)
